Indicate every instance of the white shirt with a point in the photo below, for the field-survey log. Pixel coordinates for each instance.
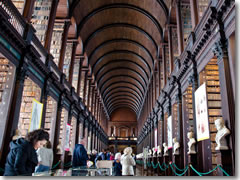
(45, 156)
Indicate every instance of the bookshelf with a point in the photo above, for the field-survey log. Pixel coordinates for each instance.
(40, 18)
(75, 73)
(188, 106)
(56, 41)
(19, 5)
(64, 120)
(82, 84)
(210, 75)
(175, 43)
(51, 113)
(186, 21)
(202, 6)
(30, 91)
(73, 132)
(175, 120)
(67, 59)
(167, 63)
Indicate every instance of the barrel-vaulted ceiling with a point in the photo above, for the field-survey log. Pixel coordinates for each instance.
(121, 39)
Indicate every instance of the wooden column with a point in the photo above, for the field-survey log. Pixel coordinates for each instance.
(67, 24)
(52, 16)
(77, 132)
(28, 10)
(194, 13)
(79, 76)
(170, 45)
(227, 97)
(179, 27)
(72, 61)
(164, 64)
(85, 86)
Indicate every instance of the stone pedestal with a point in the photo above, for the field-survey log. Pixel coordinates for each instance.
(166, 161)
(224, 159)
(192, 159)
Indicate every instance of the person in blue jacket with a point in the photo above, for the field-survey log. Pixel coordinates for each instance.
(80, 156)
(22, 158)
(117, 165)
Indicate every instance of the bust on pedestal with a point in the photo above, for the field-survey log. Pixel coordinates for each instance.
(165, 149)
(159, 150)
(154, 151)
(223, 131)
(176, 146)
(191, 143)
(59, 148)
(149, 153)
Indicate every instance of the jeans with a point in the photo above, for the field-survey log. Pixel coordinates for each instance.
(42, 168)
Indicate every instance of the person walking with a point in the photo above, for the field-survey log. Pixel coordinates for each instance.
(80, 156)
(127, 162)
(22, 158)
(117, 165)
(45, 158)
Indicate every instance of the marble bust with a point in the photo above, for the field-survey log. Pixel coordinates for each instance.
(222, 132)
(149, 152)
(59, 148)
(154, 151)
(165, 149)
(191, 143)
(17, 135)
(159, 151)
(176, 146)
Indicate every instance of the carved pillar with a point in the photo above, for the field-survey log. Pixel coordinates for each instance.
(67, 24)
(227, 97)
(170, 45)
(194, 13)
(28, 10)
(52, 17)
(164, 64)
(72, 61)
(179, 27)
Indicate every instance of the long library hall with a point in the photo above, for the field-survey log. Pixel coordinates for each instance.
(117, 88)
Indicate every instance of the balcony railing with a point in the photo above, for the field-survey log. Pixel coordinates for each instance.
(114, 138)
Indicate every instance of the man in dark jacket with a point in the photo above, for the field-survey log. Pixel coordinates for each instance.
(80, 156)
(22, 158)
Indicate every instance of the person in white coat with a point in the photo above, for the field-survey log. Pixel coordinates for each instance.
(127, 162)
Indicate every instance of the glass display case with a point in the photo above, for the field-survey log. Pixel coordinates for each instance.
(79, 171)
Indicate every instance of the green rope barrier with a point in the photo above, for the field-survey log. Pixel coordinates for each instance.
(177, 173)
(154, 166)
(56, 164)
(2, 170)
(223, 170)
(178, 168)
(162, 168)
(148, 164)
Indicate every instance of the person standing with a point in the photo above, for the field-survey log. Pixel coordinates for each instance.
(80, 156)
(22, 158)
(45, 158)
(117, 165)
(127, 162)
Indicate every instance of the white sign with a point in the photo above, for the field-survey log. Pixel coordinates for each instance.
(67, 139)
(36, 115)
(201, 113)
(169, 131)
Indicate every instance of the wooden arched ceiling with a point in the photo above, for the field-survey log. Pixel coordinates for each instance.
(121, 39)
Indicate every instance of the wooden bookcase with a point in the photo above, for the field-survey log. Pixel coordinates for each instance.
(40, 18)
(210, 76)
(64, 120)
(56, 41)
(75, 73)
(67, 59)
(186, 21)
(30, 91)
(51, 113)
(202, 6)
(19, 5)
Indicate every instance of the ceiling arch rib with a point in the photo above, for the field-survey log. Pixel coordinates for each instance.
(108, 26)
(119, 51)
(122, 70)
(120, 5)
(121, 77)
(116, 61)
(123, 92)
(121, 88)
(127, 98)
(119, 101)
(122, 105)
(120, 83)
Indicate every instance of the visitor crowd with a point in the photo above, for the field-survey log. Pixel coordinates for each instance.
(34, 154)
